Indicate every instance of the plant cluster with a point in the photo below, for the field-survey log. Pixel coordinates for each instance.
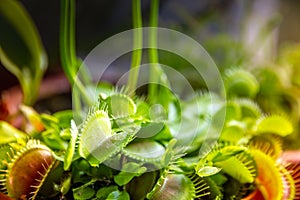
(153, 146)
(111, 156)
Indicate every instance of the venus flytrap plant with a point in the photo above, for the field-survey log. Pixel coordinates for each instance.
(278, 94)
(265, 148)
(98, 141)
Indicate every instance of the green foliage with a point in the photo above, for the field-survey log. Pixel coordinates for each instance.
(274, 124)
(71, 146)
(9, 134)
(102, 193)
(117, 195)
(145, 183)
(208, 171)
(83, 193)
(129, 171)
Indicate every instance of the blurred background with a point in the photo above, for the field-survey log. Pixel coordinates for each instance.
(231, 31)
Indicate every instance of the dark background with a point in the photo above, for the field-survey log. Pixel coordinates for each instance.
(97, 20)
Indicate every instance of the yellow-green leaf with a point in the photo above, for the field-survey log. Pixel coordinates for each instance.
(274, 124)
(8, 133)
(207, 171)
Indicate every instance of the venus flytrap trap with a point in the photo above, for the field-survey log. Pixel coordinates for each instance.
(25, 181)
(241, 83)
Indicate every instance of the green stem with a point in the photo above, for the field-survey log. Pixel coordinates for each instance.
(27, 88)
(137, 45)
(153, 54)
(63, 42)
(69, 60)
(76, 62)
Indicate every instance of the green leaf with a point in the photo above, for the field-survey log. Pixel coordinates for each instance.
(102, 171)
(239, 171)
(49, 120)
(82, 165)
(65, 134)
(144, 183)
(233, 133)
(21, 50)
(102, 193)
(71, 146)
(219, 178)
(83, 193)
(9, 134)
(207, 171)
(117, 195)
(129, 171)
(52, 139)
(169, 153)
(242, 167)
(66, 185)
(64, 117)
(274, 124)
(155, 130)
